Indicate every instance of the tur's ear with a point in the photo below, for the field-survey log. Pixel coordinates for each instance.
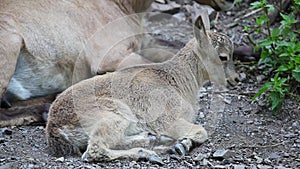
(202, 25)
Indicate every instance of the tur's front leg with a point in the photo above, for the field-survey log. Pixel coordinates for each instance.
(187, 134)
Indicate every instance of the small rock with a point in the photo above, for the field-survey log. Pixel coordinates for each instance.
(241, 166)
(258, 159)
(30, 166)
(206, 163)
(295, 124)
(220, 166)
(227, 100)
(228, 161)
(200, 157)
(201, 115)
(243, 76)
(40, 128)
(221, 154)
(289, 135)
(61, 159)
(286, 154)
(274, 156)
(250, 122)
(264, 166)
(30, 159)
(7, 131)
(202, 94)
(2, 140)
(252, 166)
(267, 161)
(260, 78)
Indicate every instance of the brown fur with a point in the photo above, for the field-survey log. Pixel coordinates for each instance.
(116, 114)
(46, 46)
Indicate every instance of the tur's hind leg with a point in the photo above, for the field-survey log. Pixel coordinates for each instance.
(187, 134)
(109, 141)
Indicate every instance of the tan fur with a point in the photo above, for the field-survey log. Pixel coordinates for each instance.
(48, 36)
(114, 116)
(48, 45)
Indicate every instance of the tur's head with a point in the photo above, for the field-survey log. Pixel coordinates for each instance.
(216, 52)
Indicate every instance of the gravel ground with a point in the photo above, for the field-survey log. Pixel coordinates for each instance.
(242, 134)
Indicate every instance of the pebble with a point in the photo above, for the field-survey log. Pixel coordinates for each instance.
(41, 128)
(227, 100)
(286, 154)
(250, 122)
(200, 157)
(206, 163)
(295, 124)
(61, 159)
(201, 115)
(260, 78)
(252, 166)
(241, 166)
(264, 166)
(220, 166)
(2, 140)
(289, 135)
(258, 159)
(202, 94)
(274, 156)
(7, 131)
(221, 154)
(267, 161)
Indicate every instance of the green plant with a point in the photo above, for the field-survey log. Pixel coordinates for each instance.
(280, 53)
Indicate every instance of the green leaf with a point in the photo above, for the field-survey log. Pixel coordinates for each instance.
(275, 32)
(270, 7)
(257, 4)
(276, 101)
(284, 55)
(282, 68)
(266, 43)
(296, 73)
(246, 28)
(262, 90)
(296, 59)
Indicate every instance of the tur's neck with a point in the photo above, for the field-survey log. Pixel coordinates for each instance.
(188, 71)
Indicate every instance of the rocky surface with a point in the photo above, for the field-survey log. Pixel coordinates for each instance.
(242, 133)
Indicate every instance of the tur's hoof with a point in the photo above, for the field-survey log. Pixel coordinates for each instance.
(179, 149)
(150, 157)
(155, 160)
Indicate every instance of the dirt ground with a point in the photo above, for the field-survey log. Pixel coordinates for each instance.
(242, 133)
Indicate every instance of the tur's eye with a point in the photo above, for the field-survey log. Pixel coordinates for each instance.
(223, 58)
